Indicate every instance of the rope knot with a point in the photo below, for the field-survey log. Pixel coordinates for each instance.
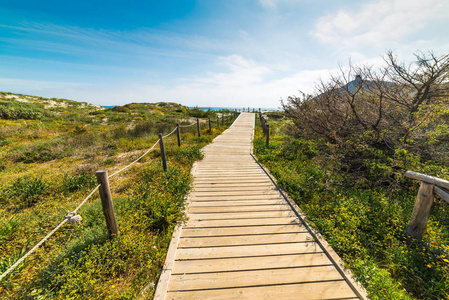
(72, 218)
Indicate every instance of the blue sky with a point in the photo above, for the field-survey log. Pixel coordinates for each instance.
(206, 53)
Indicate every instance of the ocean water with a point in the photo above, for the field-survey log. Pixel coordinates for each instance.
(222, 108)
(235, 108)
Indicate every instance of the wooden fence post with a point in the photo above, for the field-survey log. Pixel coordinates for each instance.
(420, 214)
(218, 121)
(178, 134)
(210, 127)
(268, 135)
(198, 126)
(106, 202)
(222, 119)
(161, 144)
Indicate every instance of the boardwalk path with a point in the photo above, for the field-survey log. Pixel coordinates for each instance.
(242, 239)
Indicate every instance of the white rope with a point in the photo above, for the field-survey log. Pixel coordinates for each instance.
(32, 250)
(165, 136)
(126, 167)
(87, 198)
(66, 219)
(70, 215)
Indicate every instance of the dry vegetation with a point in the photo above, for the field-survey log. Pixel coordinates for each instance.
(341, 154)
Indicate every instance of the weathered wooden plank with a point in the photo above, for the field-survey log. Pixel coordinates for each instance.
(272, 192)
(244, 215)
(241, 222)
(230, 182)
(243, 230)
(239, 240)
(250, 263)
(241, 208)
(218, 203)
(252, 278)
(243, 189)
(247, 251)
(232, 185)
(311, 291)
(271, 196)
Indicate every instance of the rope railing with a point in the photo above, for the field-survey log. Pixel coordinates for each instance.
(185, 126)
(72, 217)
(139, 158)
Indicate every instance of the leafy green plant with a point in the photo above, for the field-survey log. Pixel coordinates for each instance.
(73, 183)
(29, 190)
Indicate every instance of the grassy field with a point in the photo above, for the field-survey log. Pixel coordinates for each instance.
(365, 224)
(49, 152)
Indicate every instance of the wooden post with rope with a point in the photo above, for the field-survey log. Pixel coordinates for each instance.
(178, 134)
(267, 135)
(210, 127)
(161, 144)
(106, 202)
(198, 126)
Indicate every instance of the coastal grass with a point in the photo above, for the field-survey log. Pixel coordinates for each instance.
(47, 167)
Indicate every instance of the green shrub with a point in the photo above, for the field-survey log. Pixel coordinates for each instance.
(73, 183)
(29, 190)
(13, 110)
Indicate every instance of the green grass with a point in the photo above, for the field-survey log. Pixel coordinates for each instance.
(48, 166)
(364, 225)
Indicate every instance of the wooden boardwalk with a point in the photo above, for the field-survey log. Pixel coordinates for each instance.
(243, 239)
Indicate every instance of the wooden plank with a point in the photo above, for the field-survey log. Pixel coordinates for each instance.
(218, 178)
(241, 222)
(232, 185)
(241, 208)
(243, 230)
(247, 251)
(272, 192)
(234, 189)
(218, 203)
(271, 196)
(221, 181)
(250, 263)
(239, 240)
(244, 215)
(235, 279)
(311, 291)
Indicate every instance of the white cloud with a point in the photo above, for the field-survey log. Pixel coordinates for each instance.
(380, 24)
(243, 82)
(267, 3)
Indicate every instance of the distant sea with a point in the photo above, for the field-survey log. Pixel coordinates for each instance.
(234, 108)
(221, 108)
